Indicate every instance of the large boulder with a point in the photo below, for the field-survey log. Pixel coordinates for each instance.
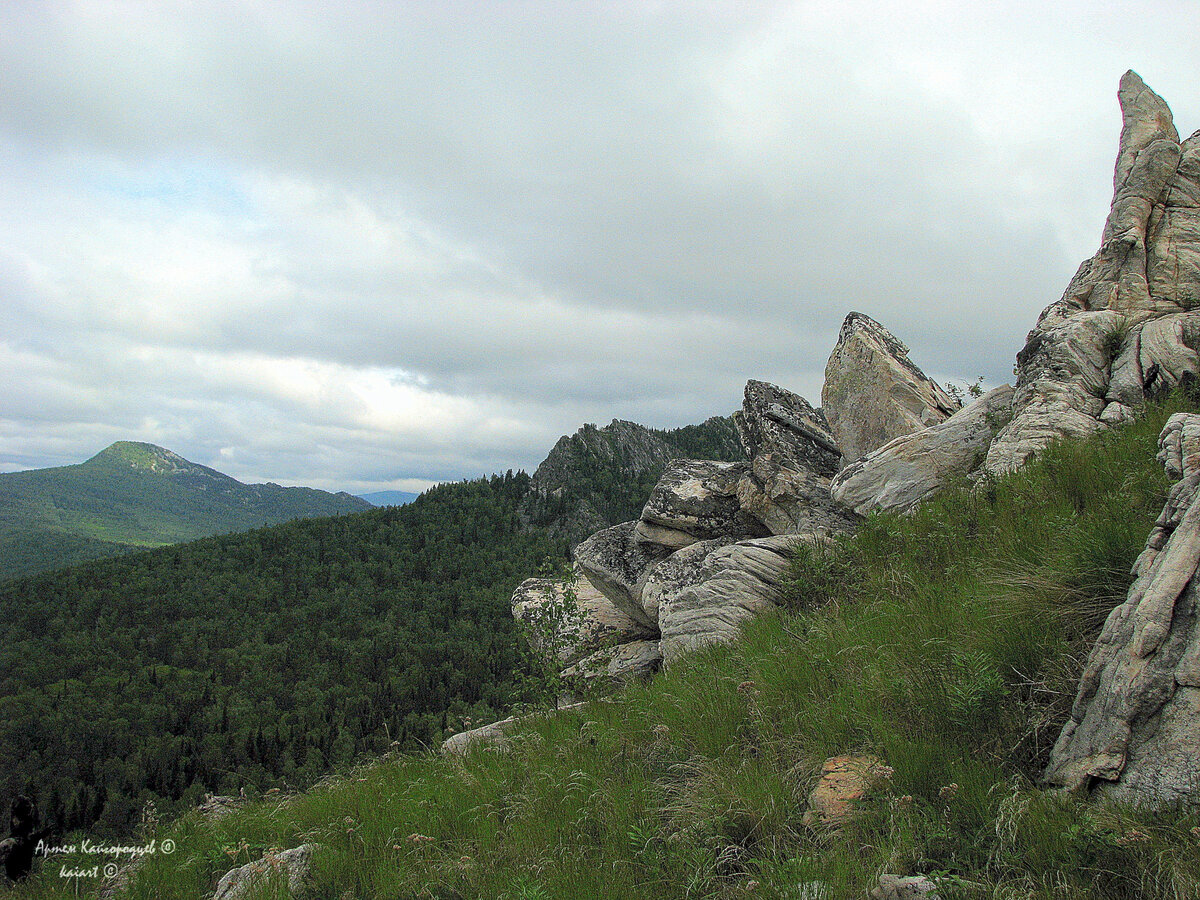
(902, 473)
(718, 590)
(617, 564)
(785, 497)
(873, 392)
(1100, 349)
(572, 620)
(792, 457)
(774, 420)
(695, 500)
(1134, 731)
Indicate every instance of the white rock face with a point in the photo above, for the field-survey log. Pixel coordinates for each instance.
(907, 470)
(1121, 330)
(715, 592)
(1134, 731)
(873, 392)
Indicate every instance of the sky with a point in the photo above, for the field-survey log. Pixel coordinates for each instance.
(377, 245)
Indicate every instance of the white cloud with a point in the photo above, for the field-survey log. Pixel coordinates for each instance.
(419, 241)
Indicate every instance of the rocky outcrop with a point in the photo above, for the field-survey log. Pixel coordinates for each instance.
(907, 470)
(714, 591)
(617, 564)
(792, 457)
(787, 498)
(1134, 731)
(695, 500)
(874, 393)
(774, 420)
(1119, 332)
(572, 620)
(292, 868)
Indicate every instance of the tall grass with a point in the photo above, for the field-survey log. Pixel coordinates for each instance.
(947, 643)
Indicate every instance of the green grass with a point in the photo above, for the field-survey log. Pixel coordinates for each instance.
(947, 642)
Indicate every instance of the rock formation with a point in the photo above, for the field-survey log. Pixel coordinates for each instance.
(723, 588)
(1122, 330)
(576, 629)
(695, 500)
(873, 392)
(907, 470)
(1134, 731)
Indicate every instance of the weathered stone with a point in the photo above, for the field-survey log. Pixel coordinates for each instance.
(292, 867)
(622, 664)
(913, 467)
(774, 420)
(595, 621)
(1117, 334)
(901, 887)
(697, 498)
(873, 392)
(1134, 731)
(788, 498)
(678, 571)
(720, 590)
(617, 564)
(844, 781)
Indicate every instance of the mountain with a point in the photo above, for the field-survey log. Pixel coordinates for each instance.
(389, 498)
(133, 496)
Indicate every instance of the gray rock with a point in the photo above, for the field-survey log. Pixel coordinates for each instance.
(1099, 350)
(774, 420)
(697, 498)
(719, 590)
(1062, 380)
(496, 735)
(616, 564)
(622, 664)
(1134, 730)
(873, 392)
(594, 623)
(293, 867)
(678, 571)
(899, 887)
(785, 497)
(916, 466)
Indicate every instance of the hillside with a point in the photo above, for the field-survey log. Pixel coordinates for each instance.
(132, 496)
(698, 783)
(266, 657)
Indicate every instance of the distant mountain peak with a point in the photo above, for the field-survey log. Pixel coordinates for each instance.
(150, 458)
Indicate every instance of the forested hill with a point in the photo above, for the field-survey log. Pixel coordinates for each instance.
(274, 655)
(132, 496)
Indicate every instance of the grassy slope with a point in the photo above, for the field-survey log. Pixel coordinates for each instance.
(948, 643)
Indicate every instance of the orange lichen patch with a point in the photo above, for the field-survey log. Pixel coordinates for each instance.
(844, 781)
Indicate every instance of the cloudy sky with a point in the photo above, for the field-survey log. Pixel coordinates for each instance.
(377, 245)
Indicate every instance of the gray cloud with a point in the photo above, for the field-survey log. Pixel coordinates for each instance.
(419, 241)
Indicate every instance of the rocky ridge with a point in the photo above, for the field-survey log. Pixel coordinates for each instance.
(706, 555)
